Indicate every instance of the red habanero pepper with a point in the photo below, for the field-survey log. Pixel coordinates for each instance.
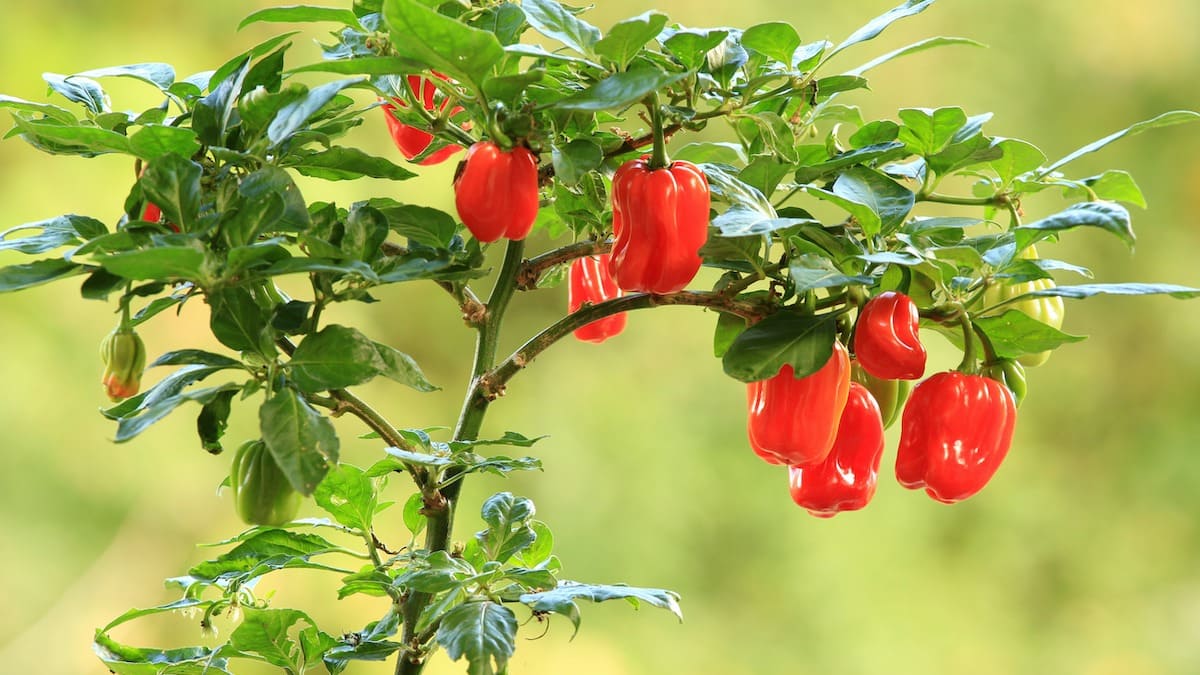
(151, 212)
(496, 192)
(660, 221)
(846, 480)
(410, 140)
(590, 282)
(955, 432)
(886, 342)
(794, 421)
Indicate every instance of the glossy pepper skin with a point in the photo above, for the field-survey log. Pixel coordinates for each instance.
(660, 221)
(795, 421)
(846, 480)
(496, 192)
(890, 395)
(956, 431)
(410, 140)
(262, 495)
(124, 357)
(1048, 310)
(590, 282)
(886, 340)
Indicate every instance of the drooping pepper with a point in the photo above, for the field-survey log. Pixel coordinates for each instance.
(262, 494)
(889, 394)
(1011, 374)
(794, 421)
(124, 357)
(410, 140)
(846, 480)
(496, 192)
(955, 432)
(590, 282)
(886, 341)
(1049, 310)
(660, 221)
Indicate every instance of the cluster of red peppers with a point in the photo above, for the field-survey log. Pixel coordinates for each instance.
(828, 427)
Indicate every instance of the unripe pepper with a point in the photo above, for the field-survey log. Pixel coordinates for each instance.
(956, 431)
(794, 421)
(590, 282)
(496, 192)
(410, 140)
(1009, 373)
(262, 495)
(886, 340)
(660, 221)
(889, 394)
(124, 357)
(1049, 310)
(846, 480)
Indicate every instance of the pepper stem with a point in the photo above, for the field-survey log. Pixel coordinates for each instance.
(968, 363)
(658, 157)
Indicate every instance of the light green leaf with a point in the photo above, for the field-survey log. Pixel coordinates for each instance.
(928, 43)
(302, 14)
(1164, 120)
(556, 22)
(619, 90)
(626, 38)
(446, 45)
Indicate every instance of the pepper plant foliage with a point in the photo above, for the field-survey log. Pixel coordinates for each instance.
(218, 158)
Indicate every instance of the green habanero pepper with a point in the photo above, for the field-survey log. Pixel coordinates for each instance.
(889, 394)
(1011, 374)
(262, 495)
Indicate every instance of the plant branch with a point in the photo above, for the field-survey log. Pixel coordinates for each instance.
(997, 200)
(533, 268)
(492, 385)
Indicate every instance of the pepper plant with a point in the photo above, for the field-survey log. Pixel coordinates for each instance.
(637, 155)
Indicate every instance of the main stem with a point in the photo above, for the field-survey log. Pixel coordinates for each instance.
(440, 514)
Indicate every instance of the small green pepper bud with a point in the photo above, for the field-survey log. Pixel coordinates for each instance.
(1011, 374)
(124, 356)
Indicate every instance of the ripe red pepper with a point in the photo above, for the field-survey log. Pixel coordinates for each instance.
(496, 192)
(794, 421)
(955, 432)
(660, 221)
(886, 342)
(590, 282)
(846, 480)
(410, 140)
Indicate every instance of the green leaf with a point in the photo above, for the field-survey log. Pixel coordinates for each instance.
(810, 271)
(124, 660)
(461, 52)
(238, 322)
(509, 532)
(877, 25)
(729, 326)
(19, 277)
(265, 632)
(777, 40)
(292, 117)
(421, 224)
(53, 112)
(363, 65)
(875, 133)
(741, 221)
(339, 163)
(281, 547)
(87, 141)
(715, 153)
(482, 631)
(55, 232)
(414, 520)
(805, 342)
(213, 420)
(691, 46)
(436, 573)
(131, 426)
(349, 496)
(173, 183)
(561, 600)
(928, 132)
(619, 90)
(82, 90)
(301, 440)
(159, 263)
(1019, 157)
(1114, 185)
(556, 22)
(400, 367)
(153, 141)
(877, 202)
(928, 43)
(576, 158)
(1014, 333)
(1163, 120)
(302, 14)
(626, 38)
(1108, 216)
(1088, 290)
(877, 153)
(541, 548)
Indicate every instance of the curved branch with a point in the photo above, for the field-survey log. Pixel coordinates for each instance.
(533, 268)
(492, 384)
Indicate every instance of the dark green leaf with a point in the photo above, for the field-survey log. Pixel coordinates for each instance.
(729, 326)
(1108, 216)
(561, 600)
(619, 90)
(422, 224)
(878, 153)
(173, 183)
(292, 117)
(129, 427)
(152, 142)
(877, 202)
(334, 358)
(161, 262)
(264, 545)
(785, 338)
(365, 65)
(463, 53)
(626, 38)
(301, 440)
(482, 631)
(349, 496)
(400, 367)
(18, 277)
(238, 321)
(339, 163)
(556, 22)
(810, 271)
(573, 160)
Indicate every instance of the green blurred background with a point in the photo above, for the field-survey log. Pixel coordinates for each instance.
(1083, 556)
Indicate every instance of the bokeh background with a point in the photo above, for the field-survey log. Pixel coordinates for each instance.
(1082, 556)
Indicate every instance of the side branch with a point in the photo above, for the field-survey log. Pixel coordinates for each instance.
(533, 268)
(491, 385)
